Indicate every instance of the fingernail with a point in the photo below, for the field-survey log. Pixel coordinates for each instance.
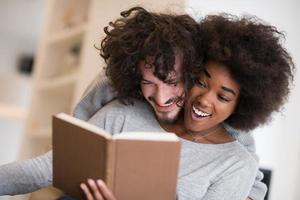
(100, 182)
(90, 181)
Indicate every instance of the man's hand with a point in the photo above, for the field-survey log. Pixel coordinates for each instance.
(96, 190)
(248, 198)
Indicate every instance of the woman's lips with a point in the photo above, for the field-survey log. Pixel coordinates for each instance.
(198, 114)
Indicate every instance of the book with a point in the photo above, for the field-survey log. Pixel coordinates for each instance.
(135, 166)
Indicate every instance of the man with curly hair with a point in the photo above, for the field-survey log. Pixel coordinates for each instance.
(147, 56)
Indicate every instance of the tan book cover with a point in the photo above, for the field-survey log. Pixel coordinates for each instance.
(135, 166)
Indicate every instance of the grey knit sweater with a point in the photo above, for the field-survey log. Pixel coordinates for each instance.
(30, 175)
(207, 171)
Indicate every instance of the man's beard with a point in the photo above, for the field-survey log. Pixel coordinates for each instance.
(168, 119)
(163, 118)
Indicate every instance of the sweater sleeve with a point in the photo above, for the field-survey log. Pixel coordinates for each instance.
(98, 93)
(26, 176)
(259, 189)
(30, 175)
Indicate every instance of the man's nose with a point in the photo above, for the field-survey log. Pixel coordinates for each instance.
(162, 96)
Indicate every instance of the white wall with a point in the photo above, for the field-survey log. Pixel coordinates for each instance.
(278, 143)
(20, 23)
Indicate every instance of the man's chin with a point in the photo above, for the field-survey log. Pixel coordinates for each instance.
(166, 118)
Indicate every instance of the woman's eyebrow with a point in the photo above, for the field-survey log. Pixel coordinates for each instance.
(226, 89)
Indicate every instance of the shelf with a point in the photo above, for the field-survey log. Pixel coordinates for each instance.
(12, 111)
(58, 61)
(68, 13)
(67, 34)
(59, 82)
(38, 142)
(44, 133)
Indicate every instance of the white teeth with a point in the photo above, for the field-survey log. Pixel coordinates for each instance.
(200, 113)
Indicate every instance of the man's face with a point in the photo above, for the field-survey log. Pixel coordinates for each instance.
(162, 96)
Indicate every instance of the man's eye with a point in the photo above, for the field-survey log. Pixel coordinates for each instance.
(145, 83)
(174, 84)
(200, 83)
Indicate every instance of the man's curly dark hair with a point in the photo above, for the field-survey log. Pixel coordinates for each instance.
(140, 33)
(255, 57)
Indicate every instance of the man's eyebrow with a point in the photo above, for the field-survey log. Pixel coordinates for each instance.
(206, 73)
(229, 90)
(172, 80)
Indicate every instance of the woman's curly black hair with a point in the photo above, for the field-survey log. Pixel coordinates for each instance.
(255, 57)
(140, 33)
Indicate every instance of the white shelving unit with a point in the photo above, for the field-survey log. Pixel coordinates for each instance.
(68, 34)
(56, 70)
(59, 83)
(58, 62)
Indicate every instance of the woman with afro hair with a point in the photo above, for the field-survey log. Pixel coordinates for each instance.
(257, 61)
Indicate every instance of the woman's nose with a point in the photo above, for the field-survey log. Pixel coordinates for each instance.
(205, 99)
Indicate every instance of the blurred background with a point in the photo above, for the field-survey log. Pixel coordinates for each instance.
(47, 59)
(19, 32)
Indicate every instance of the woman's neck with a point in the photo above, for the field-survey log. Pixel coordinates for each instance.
(217, 135)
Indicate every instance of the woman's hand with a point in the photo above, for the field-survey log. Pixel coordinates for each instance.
(96, 190)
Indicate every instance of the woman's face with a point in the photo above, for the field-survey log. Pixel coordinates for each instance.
(211, 100)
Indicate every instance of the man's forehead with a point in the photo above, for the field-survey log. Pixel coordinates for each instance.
(176, 73)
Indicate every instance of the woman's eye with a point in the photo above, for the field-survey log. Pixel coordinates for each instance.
(222, 98)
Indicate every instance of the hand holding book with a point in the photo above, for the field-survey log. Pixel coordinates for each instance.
(96, 190)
